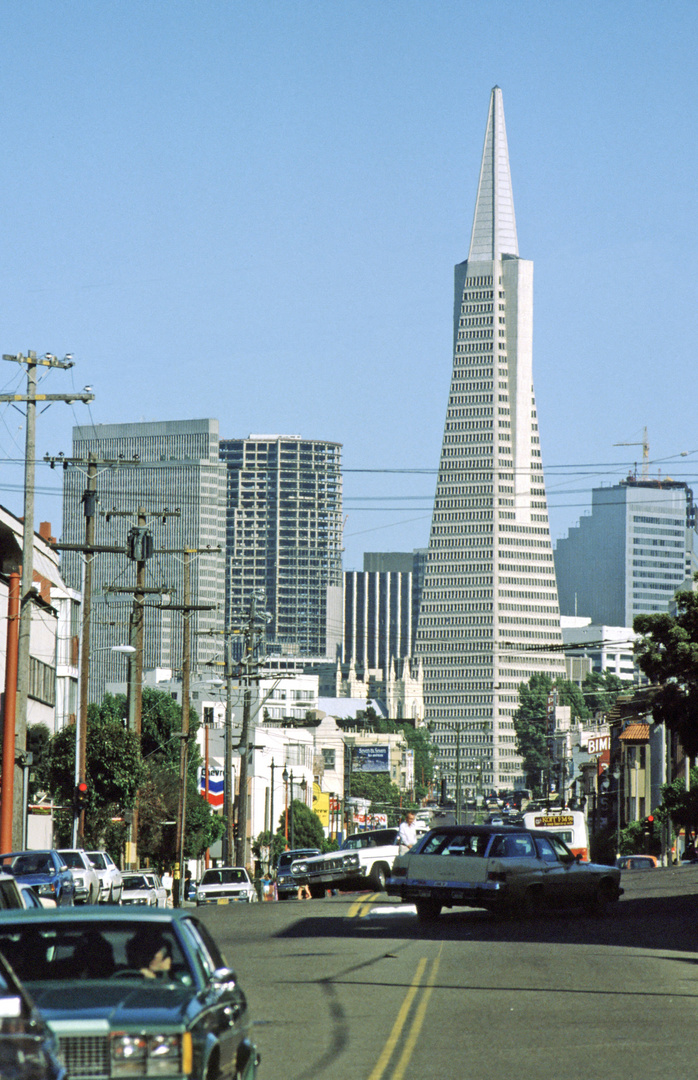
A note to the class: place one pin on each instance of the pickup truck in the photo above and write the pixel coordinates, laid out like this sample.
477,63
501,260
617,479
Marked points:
364,861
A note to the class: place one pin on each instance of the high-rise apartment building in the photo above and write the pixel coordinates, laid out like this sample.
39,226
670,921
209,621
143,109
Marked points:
630,555
284,538
163,467
489,615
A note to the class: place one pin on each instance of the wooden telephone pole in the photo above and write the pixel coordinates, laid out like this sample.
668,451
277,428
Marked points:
31,397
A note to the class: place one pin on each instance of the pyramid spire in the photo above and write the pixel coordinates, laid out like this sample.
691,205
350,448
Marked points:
494,226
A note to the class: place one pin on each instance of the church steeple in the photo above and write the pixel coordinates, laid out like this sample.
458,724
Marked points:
494,226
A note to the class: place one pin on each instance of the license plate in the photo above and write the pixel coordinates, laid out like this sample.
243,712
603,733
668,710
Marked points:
222,900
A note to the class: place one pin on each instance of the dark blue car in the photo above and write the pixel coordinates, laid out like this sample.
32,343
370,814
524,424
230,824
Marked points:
45,871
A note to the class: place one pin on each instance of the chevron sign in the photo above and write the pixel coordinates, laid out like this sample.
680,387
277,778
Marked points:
215,786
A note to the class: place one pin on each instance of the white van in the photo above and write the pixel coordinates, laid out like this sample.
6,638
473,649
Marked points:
569,825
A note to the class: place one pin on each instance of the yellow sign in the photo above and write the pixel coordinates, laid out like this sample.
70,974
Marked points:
551,820
321,806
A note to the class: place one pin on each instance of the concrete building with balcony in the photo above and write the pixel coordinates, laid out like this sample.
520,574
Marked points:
284,537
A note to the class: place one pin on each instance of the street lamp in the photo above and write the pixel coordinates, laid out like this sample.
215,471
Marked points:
616,776
284,777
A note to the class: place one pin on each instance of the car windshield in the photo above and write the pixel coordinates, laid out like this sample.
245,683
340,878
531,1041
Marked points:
135,881
30,862
72,859
224,877
288,857
372,839
97,860
89,950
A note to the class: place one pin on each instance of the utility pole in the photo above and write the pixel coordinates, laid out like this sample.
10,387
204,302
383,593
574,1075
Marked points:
186,608
228,843
89,549
249,676
139,549
184,734
26,589
89,501
228,839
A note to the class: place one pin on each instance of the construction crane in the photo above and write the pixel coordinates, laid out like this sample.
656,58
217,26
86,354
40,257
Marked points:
645,453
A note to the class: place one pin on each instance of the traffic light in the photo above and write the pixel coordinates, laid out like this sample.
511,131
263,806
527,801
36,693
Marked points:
81,793
649,822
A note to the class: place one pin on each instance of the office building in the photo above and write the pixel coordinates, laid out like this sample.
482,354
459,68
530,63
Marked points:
604,648
489,615
284,540
171,471
631,554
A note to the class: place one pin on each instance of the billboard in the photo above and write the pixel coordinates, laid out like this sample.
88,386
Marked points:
371,759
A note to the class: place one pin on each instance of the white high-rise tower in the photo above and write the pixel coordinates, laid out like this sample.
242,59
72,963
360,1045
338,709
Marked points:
489,613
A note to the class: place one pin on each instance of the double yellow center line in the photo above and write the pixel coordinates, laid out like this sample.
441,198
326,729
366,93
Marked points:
409,1018
415,1018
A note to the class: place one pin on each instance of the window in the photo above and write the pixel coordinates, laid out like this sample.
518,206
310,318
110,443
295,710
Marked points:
329,757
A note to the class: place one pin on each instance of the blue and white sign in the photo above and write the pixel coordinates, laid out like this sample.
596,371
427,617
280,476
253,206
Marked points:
371,759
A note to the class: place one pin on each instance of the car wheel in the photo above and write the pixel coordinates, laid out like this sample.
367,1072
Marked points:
378,877
428,909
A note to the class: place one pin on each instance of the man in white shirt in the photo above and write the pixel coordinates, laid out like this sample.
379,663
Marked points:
408,833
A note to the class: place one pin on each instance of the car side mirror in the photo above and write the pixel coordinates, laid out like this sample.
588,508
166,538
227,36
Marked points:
578,857
224,976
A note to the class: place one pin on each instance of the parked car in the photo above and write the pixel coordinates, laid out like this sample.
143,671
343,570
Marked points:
636,862
505,869
28,1047
133,992
11,892
362,862
226,885
84,875
45,870
160,890
31,898
286,885
138,890
110,882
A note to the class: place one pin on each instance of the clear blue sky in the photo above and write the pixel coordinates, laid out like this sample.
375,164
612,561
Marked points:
251,211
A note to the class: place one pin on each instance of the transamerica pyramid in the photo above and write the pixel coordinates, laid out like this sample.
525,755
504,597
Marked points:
489,613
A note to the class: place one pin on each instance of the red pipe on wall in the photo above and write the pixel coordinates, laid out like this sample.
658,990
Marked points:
8,737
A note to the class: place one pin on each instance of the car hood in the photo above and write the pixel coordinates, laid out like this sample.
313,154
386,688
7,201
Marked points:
37,879
118,1003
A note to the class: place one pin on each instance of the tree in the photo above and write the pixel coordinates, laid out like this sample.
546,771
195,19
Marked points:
425,752
117,767
667,652
307,827
114,771
681,806
531,721
600,690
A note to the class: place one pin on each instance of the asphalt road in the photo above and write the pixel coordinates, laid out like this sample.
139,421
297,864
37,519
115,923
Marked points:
353,987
